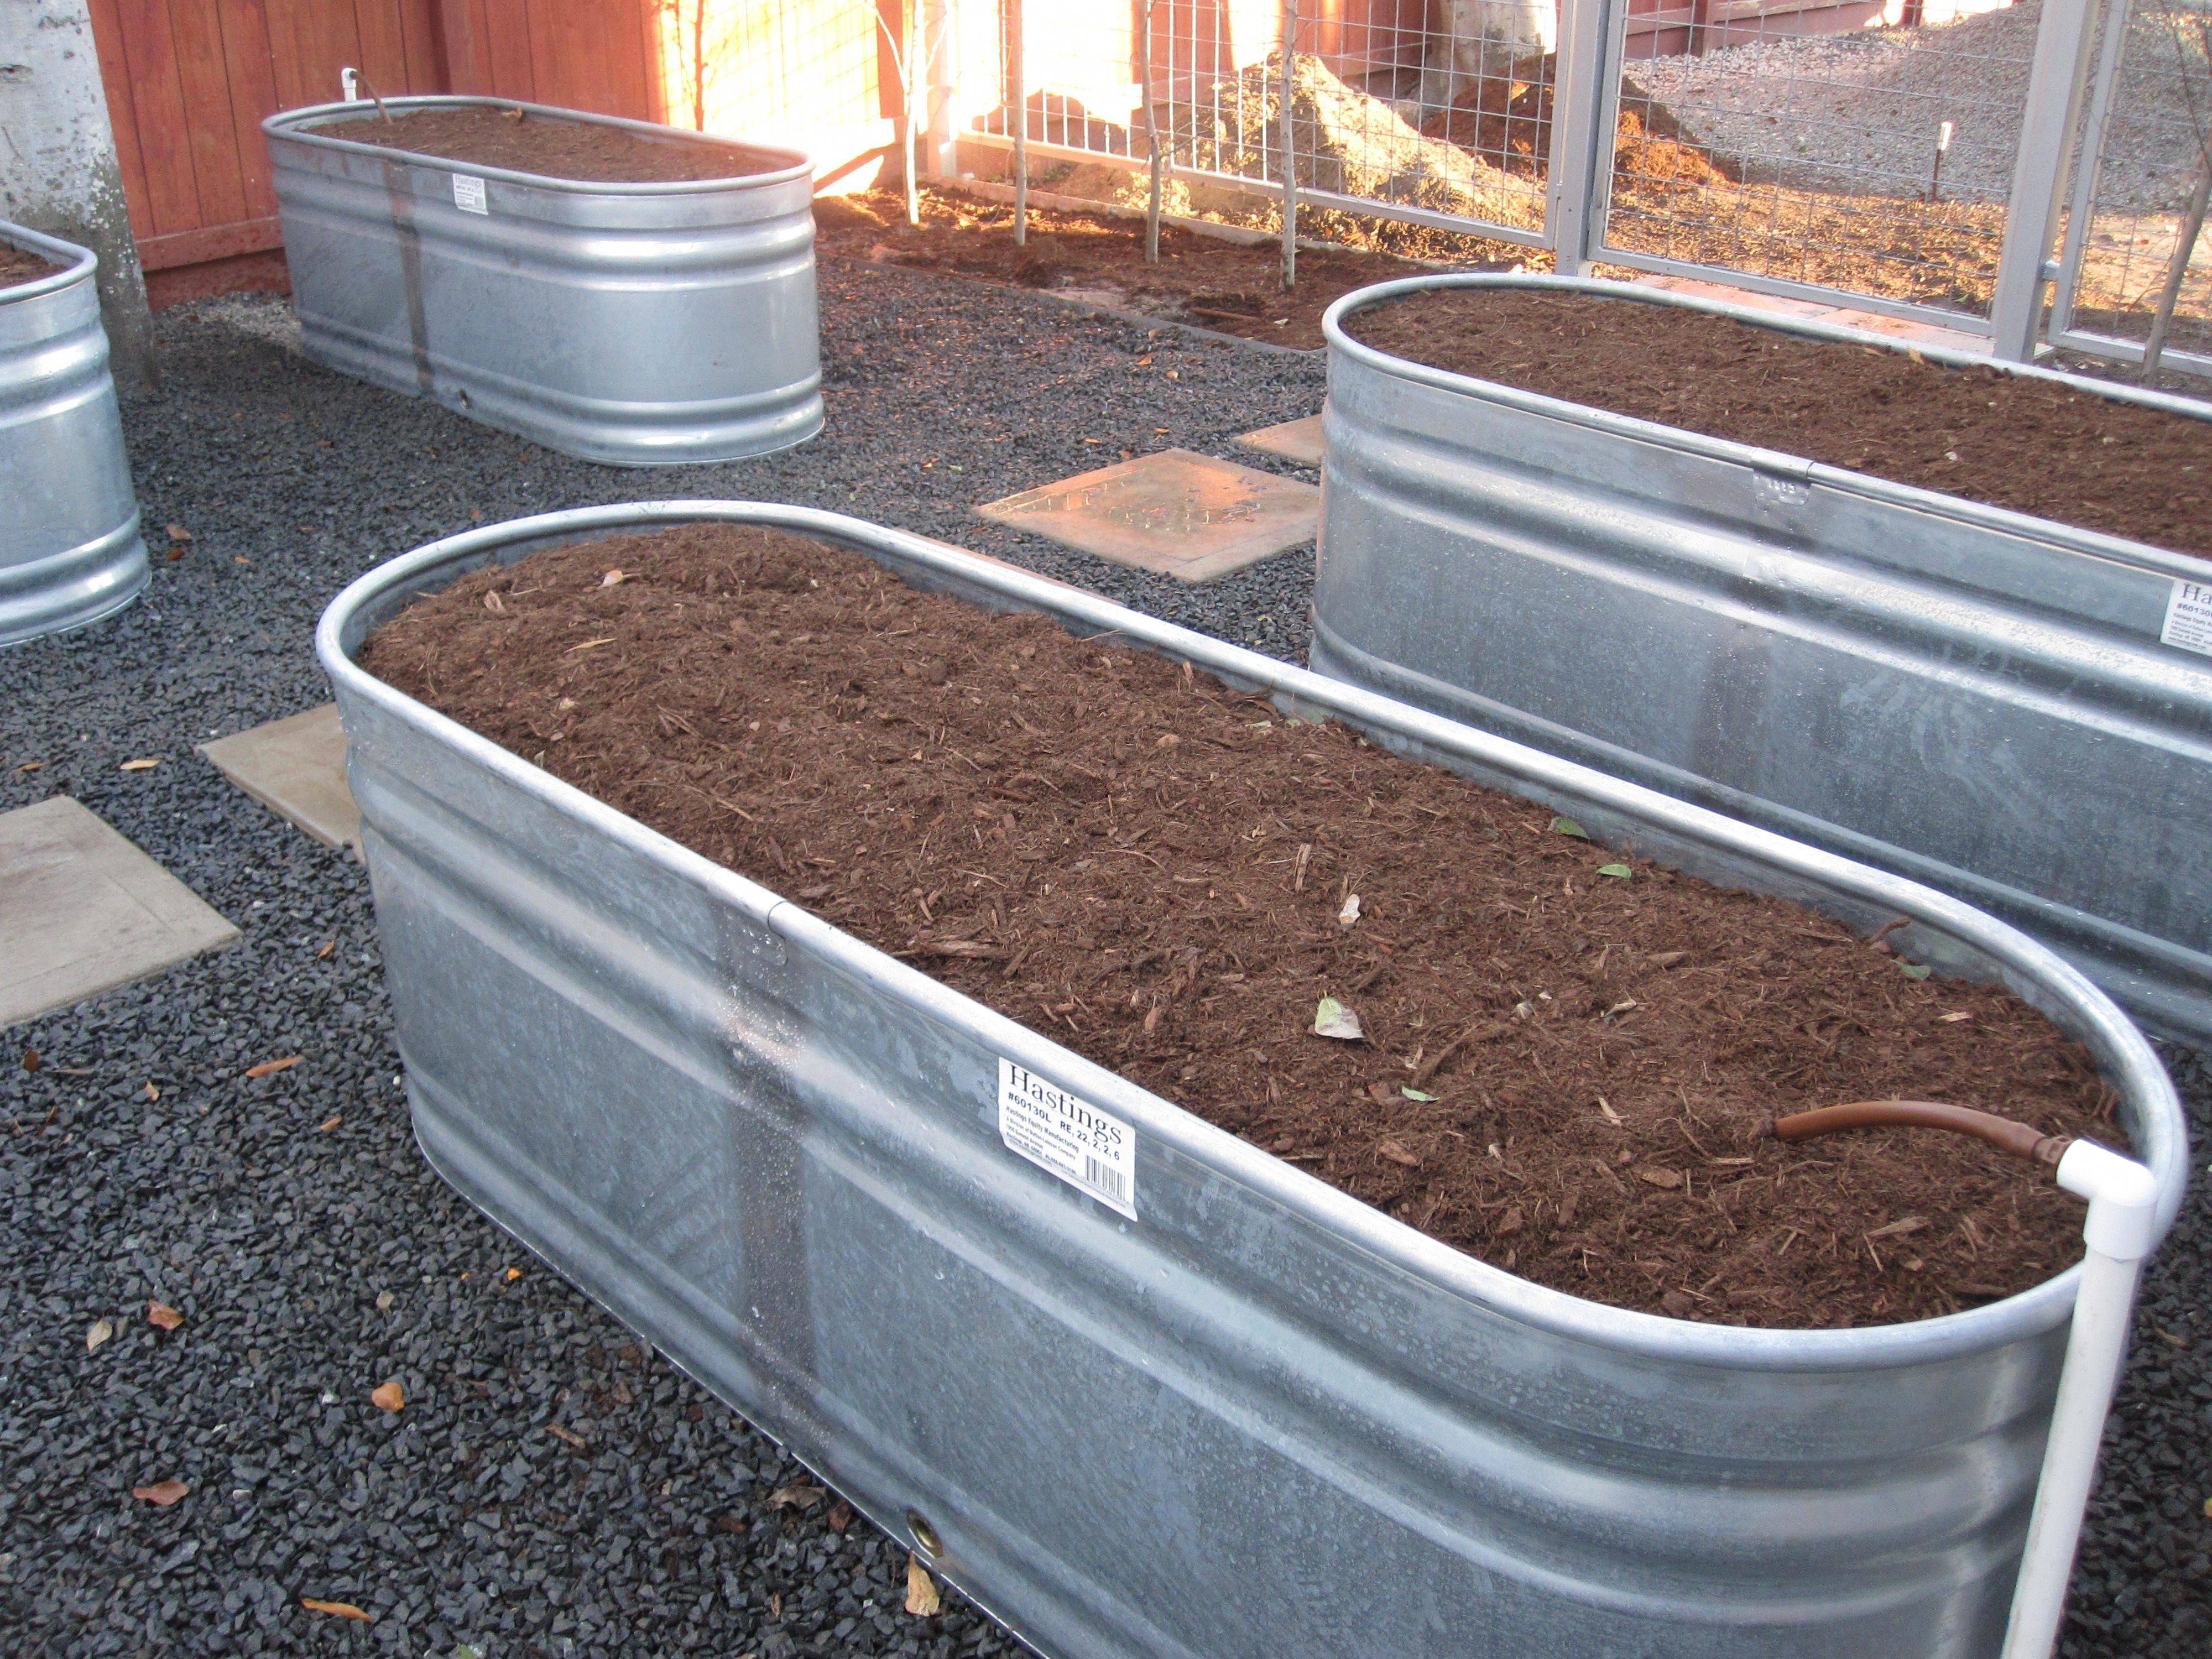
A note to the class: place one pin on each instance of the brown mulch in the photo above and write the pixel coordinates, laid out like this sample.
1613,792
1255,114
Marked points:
1990,437
18,265
1203,280
1943,254
582,151
1153,869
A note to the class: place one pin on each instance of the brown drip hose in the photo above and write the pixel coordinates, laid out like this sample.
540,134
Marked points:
2018,1138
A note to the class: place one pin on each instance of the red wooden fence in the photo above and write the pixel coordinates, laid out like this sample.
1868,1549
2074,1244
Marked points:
189,82
598,55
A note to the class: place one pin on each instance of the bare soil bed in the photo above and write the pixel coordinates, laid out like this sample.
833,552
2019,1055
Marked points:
582,151
1230,287
18,266
1564,1071
1976,433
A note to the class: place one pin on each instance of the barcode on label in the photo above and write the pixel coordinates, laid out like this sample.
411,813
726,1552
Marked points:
469,194
1086,1146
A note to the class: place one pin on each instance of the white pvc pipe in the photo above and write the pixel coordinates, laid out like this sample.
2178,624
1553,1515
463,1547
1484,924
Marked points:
2119,1230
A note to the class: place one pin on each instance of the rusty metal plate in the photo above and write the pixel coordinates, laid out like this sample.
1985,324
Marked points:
1183,515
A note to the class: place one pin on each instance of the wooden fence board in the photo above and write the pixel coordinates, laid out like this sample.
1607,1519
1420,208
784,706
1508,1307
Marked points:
424,46
158,102
461,32
210,138
507,62
383,47
251,69
122,114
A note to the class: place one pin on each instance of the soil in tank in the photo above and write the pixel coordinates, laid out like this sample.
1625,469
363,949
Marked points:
2031,445
588,152
1568,1054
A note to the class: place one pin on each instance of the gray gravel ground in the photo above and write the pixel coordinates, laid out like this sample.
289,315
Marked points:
290,1219
465,1519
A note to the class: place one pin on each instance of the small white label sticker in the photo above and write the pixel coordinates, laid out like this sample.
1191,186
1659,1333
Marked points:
1059,1132
2188,617
469,193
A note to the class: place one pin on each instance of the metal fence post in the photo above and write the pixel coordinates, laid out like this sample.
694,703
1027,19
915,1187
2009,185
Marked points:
1290,146
940,29
1152,157
1576,212
2038,181
2083,209
1018,78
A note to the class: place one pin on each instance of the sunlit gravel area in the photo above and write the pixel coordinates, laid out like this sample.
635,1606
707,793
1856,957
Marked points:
1860,112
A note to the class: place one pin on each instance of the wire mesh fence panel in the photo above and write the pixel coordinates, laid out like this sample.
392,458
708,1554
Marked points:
2147,148
1860,146
1445,113
815,74
1435,110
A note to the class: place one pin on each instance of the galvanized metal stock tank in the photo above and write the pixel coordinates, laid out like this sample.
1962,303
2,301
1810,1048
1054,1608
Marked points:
1261,1419
70,552
1975,698
638,324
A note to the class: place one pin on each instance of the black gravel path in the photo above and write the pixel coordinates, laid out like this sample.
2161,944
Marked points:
550,1488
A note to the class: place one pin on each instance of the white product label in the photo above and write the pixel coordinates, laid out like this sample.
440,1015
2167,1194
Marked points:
1057,1131
2188,617
469,194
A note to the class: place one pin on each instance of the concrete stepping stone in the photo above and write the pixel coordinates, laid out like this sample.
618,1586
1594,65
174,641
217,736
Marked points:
82,911
1176,512
296,767
1290,440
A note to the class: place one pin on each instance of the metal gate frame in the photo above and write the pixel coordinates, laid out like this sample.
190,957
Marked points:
2082,213
1577,189
2039,172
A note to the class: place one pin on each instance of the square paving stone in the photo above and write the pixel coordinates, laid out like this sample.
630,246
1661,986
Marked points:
296,768
1292,440
82,910
1178,512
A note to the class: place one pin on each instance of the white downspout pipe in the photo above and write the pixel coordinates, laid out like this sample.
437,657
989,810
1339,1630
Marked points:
2119,1230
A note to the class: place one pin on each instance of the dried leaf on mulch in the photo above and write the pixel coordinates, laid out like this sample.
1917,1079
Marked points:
1333,1019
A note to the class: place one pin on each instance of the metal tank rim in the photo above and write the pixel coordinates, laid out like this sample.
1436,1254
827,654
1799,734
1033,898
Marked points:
83,263
1779,462
299,123
2131,1065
